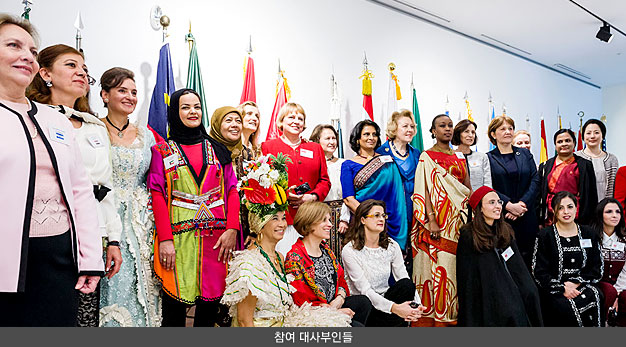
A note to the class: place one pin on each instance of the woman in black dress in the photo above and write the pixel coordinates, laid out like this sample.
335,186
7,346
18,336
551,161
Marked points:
494,285
567,265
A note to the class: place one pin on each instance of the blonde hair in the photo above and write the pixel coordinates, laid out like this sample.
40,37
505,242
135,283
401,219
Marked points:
309,214
287,109
392,124
6,19
520,132
496,123
254,138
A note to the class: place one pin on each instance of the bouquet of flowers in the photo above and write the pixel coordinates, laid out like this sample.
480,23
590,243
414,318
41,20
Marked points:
265,184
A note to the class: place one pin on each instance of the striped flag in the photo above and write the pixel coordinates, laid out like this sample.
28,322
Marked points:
418,139
164,87
543,154
194,78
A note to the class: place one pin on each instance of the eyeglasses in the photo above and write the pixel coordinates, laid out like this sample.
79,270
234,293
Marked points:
495,202
377,216
91,80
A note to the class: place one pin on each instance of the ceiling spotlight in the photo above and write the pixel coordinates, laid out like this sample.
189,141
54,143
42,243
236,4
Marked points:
604,33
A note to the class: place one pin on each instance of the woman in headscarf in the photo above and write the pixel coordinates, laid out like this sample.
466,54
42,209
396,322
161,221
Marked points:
196,207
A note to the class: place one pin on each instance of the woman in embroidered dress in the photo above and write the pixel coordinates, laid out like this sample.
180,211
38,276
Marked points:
442,189
567,266
327,137
318,274
570,172
196,206
63,82
258,288
371,258
605,164
51,245
131,298
609,224
370,175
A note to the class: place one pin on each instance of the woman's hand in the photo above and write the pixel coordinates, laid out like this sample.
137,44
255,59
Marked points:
405,311
615,303
347,311
114,255
343,227
249,240
518,209
337,302
309,198
435,230
167,254
87,284
571,290
226,242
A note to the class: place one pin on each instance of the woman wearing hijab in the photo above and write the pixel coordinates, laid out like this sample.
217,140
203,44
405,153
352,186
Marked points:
196,207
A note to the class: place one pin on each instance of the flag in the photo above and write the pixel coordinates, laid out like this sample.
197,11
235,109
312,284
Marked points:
164,87
491,115
418,139
249,85
543,154
26,13
367,92
335,113
447,107
467,105
580,132
393,95
194,78
282,96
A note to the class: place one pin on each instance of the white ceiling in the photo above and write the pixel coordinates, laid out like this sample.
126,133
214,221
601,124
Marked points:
550,31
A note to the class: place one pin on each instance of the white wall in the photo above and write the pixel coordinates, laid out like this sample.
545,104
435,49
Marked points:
614,107
313,38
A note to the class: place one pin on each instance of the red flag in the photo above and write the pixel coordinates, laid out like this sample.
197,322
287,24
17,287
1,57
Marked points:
249,85
580,140
281,99
367,105
543,154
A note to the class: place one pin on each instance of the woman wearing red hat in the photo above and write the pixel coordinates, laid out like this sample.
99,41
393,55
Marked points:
494,285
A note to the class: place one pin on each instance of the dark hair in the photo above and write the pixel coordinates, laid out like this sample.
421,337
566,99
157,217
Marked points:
597,122
355,135
432,126
356,230
597,223
461,127
114,77
40,92
484,240
556,200
563,131
317,132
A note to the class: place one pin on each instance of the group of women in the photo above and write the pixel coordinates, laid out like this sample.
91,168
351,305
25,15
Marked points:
111,225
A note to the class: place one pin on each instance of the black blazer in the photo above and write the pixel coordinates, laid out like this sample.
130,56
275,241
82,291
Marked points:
525,188
587,191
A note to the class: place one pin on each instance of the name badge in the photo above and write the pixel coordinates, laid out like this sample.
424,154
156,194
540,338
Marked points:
170,161
95,141
585,243
58,135
506,255
460,155
618,246
386,158
306,153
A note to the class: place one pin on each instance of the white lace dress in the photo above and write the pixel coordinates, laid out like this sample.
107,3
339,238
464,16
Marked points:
250,273
131,297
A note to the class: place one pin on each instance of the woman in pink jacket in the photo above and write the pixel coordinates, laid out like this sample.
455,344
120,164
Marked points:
51,247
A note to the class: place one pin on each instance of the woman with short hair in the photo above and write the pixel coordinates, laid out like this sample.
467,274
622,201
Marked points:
605,164
521,139
478,167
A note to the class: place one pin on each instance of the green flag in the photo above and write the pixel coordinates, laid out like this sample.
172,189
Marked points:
418,139
194,79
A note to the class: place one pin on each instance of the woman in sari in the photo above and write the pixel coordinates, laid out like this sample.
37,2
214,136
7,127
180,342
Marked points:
442,190
569,172
370,175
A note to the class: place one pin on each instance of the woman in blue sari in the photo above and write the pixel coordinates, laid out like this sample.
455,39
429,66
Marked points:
370,175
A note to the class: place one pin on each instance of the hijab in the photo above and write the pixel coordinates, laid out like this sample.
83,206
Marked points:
181,134
235,147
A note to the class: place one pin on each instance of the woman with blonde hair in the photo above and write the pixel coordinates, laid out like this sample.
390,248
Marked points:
521,139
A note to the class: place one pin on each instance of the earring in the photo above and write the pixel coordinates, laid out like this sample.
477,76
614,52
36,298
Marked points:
48,84
106,100
259,236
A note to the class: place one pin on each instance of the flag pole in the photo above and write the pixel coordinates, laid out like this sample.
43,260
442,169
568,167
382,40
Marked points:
189,38
26,13
165,22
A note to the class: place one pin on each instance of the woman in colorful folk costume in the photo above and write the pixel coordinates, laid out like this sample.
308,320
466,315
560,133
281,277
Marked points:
569,172
308,173
327,137
131,298
442,189
370,175
495,286
567,266
196,207
609,224
258,288
51,245
63,83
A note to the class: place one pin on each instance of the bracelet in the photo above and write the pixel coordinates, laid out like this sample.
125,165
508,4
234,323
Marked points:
113,243
342,294
432,213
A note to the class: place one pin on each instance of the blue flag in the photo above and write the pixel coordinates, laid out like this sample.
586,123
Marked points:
493,115
164,87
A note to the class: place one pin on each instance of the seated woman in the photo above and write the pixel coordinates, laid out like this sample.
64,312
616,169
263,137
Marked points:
567,265
318,275
257,285
370,256
494,285
609,223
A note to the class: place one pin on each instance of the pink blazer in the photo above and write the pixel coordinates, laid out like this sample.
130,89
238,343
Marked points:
17,178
